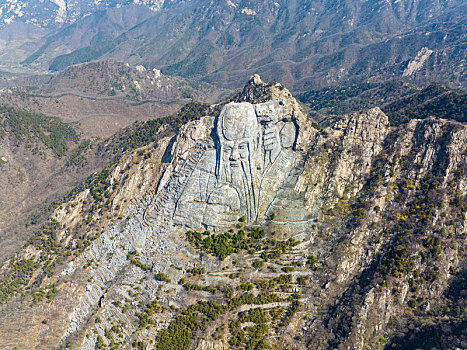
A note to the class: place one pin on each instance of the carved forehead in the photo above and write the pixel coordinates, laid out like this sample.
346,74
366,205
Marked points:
237,121
239,142
270,108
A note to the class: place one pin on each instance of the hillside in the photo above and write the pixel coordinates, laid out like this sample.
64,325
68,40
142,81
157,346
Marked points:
34,151
106,96
306,45
434,100
400,100
246,225
43,158
32,33
96,28
115,79
54,13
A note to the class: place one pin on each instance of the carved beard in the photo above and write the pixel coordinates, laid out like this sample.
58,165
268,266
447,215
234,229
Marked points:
241,178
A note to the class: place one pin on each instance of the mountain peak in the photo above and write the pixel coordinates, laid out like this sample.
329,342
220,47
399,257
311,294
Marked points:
256,218
256,79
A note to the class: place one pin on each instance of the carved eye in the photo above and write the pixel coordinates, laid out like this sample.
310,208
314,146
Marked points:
228,149
242,146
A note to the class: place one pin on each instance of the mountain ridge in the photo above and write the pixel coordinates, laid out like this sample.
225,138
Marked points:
363,244
326,55
224,42
54,13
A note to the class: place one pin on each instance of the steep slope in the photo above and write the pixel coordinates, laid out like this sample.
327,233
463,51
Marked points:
96,28
306,45
350,237
33,33
18,41
34,150
434,100
404,229
43,158
400,100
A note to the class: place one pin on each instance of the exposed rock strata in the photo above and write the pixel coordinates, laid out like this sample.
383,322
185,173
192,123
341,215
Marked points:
378,214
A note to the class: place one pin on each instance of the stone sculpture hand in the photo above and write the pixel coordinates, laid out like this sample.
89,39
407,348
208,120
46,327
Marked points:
272,144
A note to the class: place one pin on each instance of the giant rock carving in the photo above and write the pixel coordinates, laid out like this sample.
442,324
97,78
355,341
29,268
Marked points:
240,174
235,173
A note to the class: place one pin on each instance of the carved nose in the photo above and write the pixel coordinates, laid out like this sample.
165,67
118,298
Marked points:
234,154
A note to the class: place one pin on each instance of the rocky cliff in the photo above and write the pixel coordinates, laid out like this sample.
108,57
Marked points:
252,227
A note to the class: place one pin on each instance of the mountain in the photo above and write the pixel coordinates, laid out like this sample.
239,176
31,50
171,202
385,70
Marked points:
34,150
55,13
398,99
22,42
28,28
134,216
306,44
104,96
244,224
43,158
96,28
51,126
18,41
116,79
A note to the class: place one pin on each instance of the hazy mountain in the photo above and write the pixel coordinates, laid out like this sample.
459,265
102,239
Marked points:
305,44
55,13
35,46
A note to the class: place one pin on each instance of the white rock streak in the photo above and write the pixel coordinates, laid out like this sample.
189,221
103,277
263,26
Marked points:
248,12
61,13
417,63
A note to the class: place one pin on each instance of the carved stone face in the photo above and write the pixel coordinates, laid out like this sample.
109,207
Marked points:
239,136
239,152
243,174
235,152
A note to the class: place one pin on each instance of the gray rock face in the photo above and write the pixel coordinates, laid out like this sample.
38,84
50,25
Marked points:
240,176
376,215
222,170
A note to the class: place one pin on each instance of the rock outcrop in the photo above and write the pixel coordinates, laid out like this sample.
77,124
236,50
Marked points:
252,225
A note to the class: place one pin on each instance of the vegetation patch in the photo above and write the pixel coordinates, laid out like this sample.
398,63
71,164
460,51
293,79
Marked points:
144,133
183,328
228,243
28,128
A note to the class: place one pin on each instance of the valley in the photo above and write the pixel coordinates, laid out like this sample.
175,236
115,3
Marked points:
233,174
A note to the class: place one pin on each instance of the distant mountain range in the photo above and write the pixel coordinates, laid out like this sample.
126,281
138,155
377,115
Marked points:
304,44
54,13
